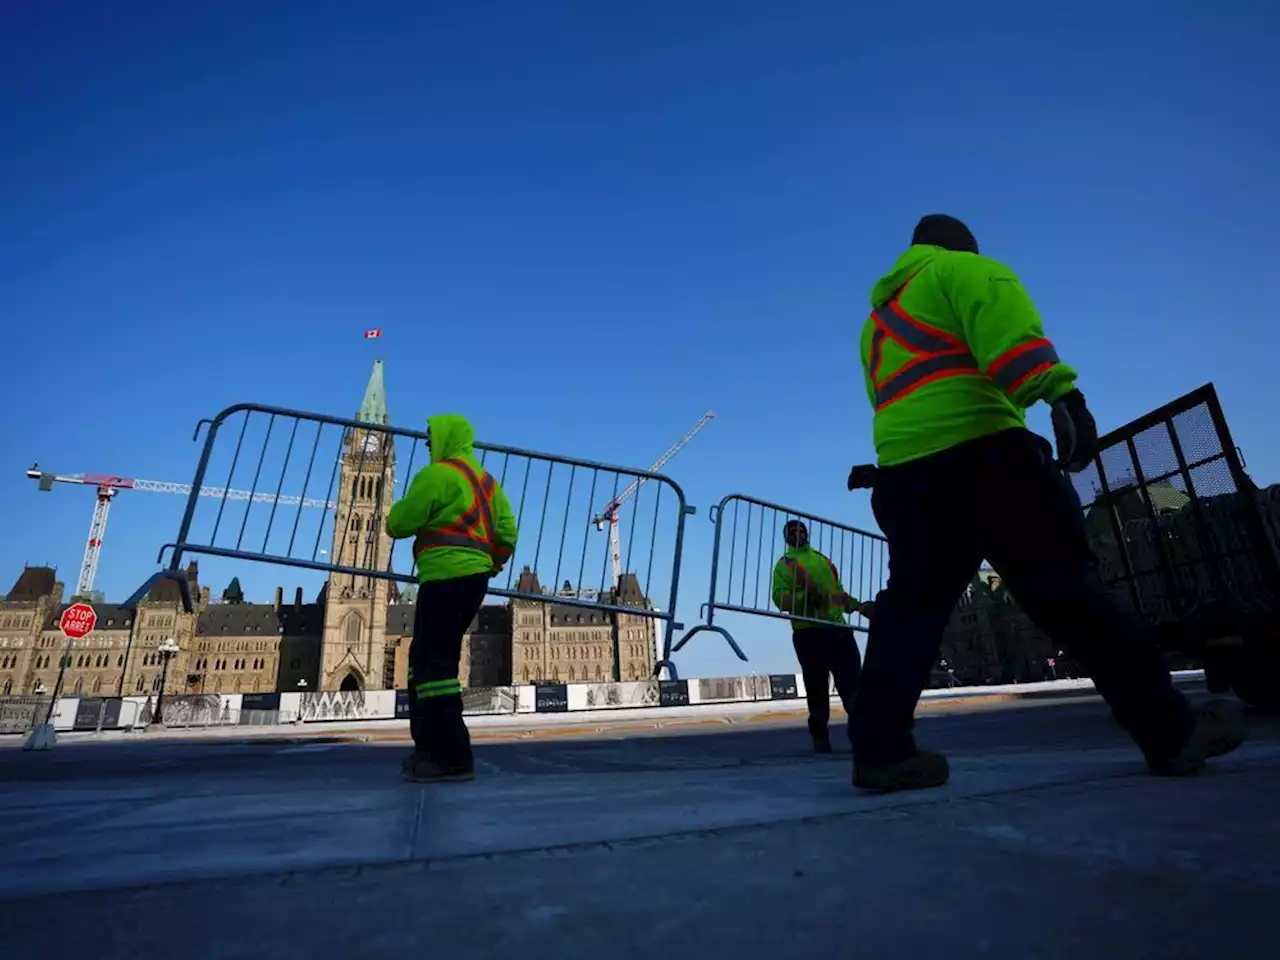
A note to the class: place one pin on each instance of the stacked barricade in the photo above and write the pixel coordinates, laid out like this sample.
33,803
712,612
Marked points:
747,545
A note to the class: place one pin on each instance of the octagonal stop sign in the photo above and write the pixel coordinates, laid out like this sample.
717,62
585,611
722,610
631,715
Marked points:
78,621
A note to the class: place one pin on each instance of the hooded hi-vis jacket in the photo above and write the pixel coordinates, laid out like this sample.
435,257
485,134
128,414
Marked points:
807,584
953,350
456,512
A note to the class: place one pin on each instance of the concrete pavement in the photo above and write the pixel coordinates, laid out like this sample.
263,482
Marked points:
1050,841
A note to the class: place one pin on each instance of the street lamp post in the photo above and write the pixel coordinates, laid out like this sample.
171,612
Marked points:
167,651
302,688
57,684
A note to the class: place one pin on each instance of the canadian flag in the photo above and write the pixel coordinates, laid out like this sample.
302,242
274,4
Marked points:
373,334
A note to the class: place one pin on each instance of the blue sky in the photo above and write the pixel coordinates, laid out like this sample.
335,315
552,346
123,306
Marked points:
585,224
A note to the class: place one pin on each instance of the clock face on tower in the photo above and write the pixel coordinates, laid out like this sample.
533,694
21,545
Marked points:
371,445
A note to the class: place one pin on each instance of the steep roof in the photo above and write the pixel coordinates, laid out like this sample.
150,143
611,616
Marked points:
32,584
528,581
373,409
260,619
168,591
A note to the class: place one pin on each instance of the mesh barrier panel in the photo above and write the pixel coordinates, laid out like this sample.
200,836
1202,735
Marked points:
1174,533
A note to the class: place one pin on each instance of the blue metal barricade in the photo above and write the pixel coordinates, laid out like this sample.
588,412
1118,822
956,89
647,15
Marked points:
312,491
748,543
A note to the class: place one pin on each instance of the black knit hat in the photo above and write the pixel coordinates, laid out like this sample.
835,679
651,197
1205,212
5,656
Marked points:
940,230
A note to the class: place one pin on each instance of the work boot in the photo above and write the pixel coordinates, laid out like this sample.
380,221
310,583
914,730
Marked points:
822,745
920,771
1220,728
418,768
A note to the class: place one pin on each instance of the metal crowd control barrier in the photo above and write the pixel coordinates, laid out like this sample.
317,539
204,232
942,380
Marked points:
742,568
1178,525
290,480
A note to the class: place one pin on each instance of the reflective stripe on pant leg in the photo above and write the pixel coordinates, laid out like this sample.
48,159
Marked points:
438,688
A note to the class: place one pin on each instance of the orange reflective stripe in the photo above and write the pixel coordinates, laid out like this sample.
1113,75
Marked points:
937,354
803,580
913,334
474,529
921,371
1016,366
801,574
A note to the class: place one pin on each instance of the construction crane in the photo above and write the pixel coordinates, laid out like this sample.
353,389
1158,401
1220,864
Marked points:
609,514
108,485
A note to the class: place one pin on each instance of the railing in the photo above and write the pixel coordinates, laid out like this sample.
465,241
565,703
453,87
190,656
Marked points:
314,491
747,545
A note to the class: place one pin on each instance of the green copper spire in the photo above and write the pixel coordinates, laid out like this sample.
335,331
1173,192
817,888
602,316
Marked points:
374,407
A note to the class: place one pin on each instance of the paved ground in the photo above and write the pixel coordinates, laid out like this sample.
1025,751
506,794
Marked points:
1049,842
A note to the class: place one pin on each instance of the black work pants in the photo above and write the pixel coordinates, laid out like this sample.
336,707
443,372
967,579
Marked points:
445,609
826,652
1001,498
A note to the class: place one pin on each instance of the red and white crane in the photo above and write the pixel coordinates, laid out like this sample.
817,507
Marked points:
609,514
108,485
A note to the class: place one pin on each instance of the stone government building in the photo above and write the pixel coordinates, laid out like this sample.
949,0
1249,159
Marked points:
354,636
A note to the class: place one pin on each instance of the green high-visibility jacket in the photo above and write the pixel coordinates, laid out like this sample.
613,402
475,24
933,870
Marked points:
440,496
958,355
807,584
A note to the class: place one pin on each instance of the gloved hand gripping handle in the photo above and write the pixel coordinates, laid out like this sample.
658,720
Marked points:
1075,431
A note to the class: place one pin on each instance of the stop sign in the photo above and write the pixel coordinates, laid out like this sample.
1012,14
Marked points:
78,620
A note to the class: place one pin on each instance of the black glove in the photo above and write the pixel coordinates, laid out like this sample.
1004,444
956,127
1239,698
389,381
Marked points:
862,477
1075,431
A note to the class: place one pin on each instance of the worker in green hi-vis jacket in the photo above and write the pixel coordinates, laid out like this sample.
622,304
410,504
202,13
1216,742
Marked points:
953,355
806,587
464,532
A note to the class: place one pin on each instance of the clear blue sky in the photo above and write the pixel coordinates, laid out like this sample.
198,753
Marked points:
584,224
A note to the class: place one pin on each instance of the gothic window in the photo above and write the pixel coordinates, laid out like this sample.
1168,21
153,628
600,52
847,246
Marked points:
80,685
8,686
355,521
571,675
524,674
599,672
379,490
141,681
352,630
